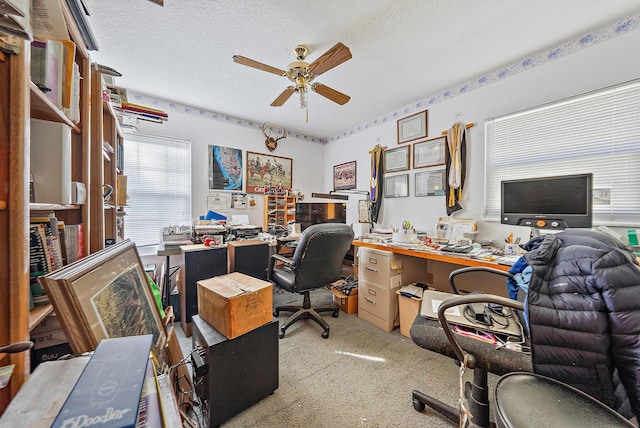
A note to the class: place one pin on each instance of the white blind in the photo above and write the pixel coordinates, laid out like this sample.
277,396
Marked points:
597,132
158,173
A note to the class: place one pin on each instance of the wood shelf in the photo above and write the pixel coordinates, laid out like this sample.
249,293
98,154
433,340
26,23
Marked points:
37,314
51,207
43,108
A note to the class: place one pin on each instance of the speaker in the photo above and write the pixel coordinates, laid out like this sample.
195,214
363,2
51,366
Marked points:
249,257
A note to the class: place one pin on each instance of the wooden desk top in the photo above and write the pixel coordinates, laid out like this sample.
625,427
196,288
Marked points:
432,255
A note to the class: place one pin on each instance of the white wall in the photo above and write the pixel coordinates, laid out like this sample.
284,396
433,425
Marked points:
308,157
602,65
609,62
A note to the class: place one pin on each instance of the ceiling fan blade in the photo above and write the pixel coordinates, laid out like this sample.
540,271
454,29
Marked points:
283,97
335,56
330,93
239,59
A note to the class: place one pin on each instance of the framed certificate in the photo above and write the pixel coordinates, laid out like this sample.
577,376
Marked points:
430,183
396,186
412,127
429,152
396,159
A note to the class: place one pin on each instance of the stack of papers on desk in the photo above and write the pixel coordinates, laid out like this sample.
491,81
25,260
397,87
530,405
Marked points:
412,291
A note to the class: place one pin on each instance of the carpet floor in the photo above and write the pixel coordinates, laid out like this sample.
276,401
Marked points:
361,376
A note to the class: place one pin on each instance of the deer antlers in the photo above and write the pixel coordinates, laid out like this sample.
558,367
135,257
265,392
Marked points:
270,142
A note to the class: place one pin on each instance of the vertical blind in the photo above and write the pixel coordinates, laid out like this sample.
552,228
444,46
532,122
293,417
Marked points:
158,173
597,132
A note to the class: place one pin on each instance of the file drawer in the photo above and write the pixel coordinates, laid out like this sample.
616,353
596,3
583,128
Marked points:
378,305
375,266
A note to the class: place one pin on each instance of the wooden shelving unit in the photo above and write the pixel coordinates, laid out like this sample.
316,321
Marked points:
107,136
21,100
279,210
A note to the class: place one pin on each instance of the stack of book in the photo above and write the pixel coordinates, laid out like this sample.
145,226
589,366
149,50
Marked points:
118,98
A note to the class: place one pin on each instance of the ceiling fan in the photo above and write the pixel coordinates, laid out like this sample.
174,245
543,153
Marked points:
302,74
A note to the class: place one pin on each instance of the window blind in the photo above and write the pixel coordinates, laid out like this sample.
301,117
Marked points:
597,132
158,173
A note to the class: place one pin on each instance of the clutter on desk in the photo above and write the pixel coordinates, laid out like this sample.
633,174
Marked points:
453,229
176,235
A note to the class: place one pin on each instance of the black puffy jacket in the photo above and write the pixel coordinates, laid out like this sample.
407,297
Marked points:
584,316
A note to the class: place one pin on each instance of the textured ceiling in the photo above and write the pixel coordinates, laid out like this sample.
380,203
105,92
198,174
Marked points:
403,50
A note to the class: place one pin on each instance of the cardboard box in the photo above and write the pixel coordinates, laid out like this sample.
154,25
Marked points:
348,304
409,307
235,304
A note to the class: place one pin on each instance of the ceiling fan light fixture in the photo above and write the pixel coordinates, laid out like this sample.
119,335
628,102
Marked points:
303,99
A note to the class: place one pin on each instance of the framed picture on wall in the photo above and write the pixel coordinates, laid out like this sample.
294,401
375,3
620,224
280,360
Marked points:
429,152
267,170
396,159
430,183
344,176
396,186
412,127
225,168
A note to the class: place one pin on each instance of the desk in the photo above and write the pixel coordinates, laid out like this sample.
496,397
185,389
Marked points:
439,265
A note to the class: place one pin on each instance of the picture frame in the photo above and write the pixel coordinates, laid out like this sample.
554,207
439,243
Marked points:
264,170
397,159
430,183
105,295
225,168
429,152
344,176
396,186
413,127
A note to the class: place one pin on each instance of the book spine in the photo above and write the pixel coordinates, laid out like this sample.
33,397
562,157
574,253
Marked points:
149,412
37,266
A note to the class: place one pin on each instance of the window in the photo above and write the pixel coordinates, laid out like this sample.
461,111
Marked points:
597,132
158,173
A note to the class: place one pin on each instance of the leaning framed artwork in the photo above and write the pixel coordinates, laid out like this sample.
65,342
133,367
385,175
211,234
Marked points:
225,168
344,176
396,159
429,152
412,127
267,170
105,295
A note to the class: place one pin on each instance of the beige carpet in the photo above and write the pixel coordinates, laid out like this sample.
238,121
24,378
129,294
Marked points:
360,376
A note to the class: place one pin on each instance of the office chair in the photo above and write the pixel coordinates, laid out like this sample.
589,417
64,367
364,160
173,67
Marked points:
316,262
521,397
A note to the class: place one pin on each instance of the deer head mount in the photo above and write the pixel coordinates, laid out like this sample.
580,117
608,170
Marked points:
271,142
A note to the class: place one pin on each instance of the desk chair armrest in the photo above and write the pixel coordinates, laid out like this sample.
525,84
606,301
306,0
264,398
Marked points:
472,269
463,300
272,262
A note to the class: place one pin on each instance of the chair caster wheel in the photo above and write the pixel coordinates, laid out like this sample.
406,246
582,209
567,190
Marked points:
281,335
335,314
276,314
325,334
418,405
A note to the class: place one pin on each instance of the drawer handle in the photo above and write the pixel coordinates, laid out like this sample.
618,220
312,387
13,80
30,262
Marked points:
370,301
372,292
369,269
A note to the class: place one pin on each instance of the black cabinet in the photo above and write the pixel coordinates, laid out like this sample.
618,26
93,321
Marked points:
249,257
197,262
233,374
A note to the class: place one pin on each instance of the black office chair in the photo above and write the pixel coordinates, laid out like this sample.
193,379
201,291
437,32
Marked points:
316,262
520,400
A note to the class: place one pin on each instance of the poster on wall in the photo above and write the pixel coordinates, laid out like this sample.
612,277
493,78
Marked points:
267,170
225,168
